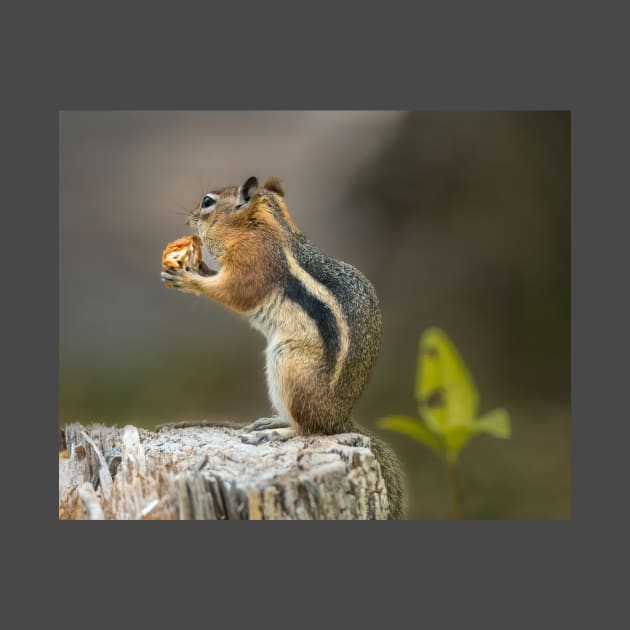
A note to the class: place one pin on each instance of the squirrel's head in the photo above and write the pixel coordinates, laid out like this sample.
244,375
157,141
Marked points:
232,217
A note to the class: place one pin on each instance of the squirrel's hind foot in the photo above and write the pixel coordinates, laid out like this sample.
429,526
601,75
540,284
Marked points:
268,435
262,424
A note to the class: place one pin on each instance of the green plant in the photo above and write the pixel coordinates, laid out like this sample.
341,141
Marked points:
448,403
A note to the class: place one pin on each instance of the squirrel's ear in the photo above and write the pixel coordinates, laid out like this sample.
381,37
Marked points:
275,185
247,190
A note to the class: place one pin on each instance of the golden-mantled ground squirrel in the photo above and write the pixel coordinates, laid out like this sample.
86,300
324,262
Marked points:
320,316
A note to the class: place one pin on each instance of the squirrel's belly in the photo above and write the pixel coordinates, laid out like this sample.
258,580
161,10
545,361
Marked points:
276,383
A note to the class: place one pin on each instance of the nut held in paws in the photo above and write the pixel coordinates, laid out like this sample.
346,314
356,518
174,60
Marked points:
183,252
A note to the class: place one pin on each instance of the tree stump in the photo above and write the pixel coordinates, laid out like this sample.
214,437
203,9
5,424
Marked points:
208,473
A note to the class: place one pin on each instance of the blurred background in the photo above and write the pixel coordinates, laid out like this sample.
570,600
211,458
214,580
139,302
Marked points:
460,219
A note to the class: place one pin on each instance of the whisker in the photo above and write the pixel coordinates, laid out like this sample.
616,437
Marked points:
172,201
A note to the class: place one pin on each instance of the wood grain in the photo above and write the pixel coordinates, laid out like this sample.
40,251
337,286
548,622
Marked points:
208,473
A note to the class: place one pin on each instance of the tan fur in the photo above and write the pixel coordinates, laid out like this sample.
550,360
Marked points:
246,256
322,327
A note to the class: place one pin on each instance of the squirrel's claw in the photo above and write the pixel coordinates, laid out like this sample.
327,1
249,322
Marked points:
171,276
181,279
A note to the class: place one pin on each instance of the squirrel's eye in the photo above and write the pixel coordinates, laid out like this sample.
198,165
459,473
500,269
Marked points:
208,202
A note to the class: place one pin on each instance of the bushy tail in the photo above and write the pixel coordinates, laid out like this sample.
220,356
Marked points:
392,474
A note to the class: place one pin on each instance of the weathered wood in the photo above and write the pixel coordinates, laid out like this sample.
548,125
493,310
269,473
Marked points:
208,473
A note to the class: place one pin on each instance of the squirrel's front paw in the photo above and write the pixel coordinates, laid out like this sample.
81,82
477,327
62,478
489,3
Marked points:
181,279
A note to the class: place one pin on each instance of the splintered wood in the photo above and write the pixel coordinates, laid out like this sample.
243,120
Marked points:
208,473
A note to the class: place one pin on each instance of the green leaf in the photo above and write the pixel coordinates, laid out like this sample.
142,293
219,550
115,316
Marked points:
445,391
496,423
455,438
413,428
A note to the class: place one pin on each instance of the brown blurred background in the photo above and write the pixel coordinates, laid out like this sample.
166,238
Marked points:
460,219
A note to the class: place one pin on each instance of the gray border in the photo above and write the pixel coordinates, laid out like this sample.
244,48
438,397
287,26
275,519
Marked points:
452,569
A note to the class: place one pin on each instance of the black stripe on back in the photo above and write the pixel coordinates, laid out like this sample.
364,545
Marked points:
319,313
277,213
340,280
